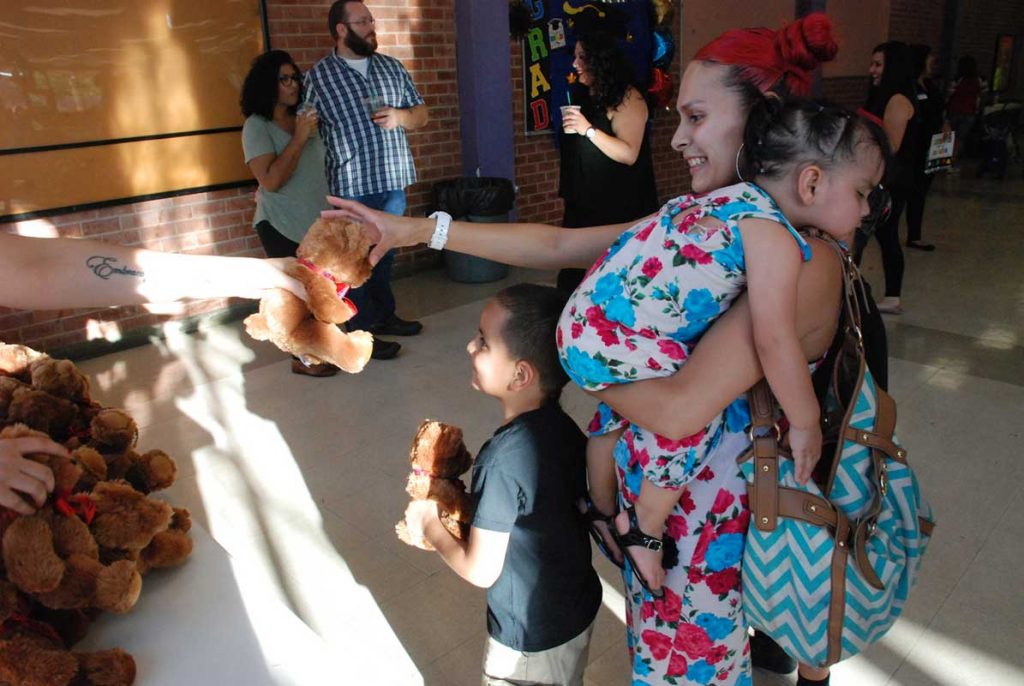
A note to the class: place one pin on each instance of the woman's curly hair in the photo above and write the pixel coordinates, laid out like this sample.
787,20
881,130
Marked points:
259,92
609,68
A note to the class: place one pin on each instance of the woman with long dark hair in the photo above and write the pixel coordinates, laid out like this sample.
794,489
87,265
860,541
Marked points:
287,158
891,99
607,176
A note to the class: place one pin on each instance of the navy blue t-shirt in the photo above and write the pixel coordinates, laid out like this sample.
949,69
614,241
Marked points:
526,481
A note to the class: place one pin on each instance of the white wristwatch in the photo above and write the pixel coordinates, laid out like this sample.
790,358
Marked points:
440,235
591,132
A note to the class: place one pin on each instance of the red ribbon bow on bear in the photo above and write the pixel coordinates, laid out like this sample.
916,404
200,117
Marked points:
340,287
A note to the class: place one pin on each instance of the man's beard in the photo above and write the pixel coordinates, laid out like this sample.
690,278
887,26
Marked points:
361,46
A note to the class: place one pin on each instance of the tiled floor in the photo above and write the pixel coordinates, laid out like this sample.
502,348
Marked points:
301,479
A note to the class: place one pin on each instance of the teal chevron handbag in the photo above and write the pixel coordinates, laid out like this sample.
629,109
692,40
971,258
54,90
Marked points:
828,566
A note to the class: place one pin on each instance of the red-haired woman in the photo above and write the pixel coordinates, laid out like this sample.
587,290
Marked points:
697,632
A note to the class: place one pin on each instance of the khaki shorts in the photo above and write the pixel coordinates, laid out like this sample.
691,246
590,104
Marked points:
559,666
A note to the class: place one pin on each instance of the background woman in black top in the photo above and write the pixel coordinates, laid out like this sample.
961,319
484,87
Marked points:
606,174
891,99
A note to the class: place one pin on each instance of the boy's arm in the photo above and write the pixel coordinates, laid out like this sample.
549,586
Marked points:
479,559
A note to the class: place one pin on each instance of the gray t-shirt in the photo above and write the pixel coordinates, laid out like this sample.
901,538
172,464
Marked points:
293,207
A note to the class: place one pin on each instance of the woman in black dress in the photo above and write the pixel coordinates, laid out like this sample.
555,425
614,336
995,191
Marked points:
607,176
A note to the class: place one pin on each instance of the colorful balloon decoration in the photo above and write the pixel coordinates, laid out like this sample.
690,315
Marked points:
662,10
664,47
661,88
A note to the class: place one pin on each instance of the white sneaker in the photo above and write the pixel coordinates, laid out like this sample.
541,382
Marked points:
890,305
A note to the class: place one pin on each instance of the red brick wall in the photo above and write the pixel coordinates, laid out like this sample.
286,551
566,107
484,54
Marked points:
918,21
421,33
848,91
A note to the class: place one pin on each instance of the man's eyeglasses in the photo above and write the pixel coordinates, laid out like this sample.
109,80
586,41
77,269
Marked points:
361,22
286,79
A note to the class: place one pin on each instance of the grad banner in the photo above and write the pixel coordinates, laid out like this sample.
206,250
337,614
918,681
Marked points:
551,39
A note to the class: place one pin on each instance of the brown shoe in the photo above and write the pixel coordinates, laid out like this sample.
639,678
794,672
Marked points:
323,369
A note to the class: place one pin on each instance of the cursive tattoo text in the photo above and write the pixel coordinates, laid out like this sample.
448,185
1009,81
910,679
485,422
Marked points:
106,267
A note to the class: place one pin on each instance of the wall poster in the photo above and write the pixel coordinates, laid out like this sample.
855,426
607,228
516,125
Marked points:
549,43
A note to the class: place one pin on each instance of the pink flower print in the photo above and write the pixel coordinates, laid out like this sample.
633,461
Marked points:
676,665
673,349
716,654
705,474
707,535
652,267
676,527
736,525
648,333
559,337
722,501
645,233
669,607
684,442
724,581
693,575
630,345
692,640
659,643
647,610
686,501
653,364
576,330
605,329
721,200
692,252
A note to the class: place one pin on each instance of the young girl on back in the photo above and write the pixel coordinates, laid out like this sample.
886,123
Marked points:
647,301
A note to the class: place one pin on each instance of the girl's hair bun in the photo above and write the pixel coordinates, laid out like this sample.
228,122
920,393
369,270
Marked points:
808,41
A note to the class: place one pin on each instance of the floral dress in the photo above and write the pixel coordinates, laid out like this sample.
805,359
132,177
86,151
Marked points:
647,301
696,633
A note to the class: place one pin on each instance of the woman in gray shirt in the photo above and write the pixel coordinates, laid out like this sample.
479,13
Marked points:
287,158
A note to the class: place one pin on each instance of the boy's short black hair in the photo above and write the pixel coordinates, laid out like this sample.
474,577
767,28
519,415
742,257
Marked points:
529,333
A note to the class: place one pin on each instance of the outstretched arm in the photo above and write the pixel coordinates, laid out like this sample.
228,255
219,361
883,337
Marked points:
724,364
525,245
49,273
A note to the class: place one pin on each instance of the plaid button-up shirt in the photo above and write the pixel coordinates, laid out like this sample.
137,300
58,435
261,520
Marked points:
362,158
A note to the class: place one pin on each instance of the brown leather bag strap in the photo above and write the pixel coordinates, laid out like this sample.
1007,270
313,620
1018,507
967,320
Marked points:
764,502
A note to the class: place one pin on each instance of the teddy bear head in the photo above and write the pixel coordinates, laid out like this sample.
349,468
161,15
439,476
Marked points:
439,451
332,259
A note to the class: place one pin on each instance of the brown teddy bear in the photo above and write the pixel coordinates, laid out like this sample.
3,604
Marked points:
54,556
439,457
34,653
332,258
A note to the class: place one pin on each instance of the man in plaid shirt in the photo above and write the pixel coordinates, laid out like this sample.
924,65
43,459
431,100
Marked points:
366,101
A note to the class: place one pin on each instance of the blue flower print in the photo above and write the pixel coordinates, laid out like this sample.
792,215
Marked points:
607,420
736,208
624,238
701,672
700,305
724,552
737,416
640,666
608,287
584,370
731,256
620,310
608,292
745,680
716,627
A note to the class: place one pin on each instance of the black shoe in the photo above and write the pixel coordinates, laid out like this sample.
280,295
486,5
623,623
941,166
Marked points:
395,326
323,369
920,245
769,655
384,350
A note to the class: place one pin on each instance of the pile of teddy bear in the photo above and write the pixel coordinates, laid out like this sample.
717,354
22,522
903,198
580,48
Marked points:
86,550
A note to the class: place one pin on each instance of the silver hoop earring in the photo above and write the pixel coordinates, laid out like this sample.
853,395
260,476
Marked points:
739,152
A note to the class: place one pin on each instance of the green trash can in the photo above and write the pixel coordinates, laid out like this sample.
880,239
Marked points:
480,200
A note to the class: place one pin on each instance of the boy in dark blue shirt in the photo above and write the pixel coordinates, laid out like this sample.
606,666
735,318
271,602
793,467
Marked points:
528,544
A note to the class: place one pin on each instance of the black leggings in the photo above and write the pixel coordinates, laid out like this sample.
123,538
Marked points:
888,236
915,208
275,244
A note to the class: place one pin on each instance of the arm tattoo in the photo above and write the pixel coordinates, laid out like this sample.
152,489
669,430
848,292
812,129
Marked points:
105,267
